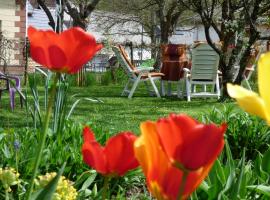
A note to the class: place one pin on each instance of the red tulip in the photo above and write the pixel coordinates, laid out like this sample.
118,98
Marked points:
163,179
188,144
116,158
65,52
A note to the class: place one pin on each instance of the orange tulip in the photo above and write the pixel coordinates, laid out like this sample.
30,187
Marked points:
115,159
163,179
188,144
66,52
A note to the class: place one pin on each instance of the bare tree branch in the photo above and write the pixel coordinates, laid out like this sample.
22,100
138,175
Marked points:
48,13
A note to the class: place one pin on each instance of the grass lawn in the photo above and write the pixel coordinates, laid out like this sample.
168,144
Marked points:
115,113
247,137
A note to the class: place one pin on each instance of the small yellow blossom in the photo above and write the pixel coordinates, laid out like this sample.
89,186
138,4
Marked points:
64,190
9,176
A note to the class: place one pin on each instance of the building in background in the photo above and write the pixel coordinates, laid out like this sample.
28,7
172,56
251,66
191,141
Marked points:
12,35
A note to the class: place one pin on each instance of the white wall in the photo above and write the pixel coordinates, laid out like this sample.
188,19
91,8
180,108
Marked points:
8,19
187,35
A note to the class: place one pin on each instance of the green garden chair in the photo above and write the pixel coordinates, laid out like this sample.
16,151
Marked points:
204,72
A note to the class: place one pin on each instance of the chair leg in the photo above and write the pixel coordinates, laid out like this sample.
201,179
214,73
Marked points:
188,88
204,87
162,88
154,86
12,99
218,87
134,87
246,82
193,88
179,88
125,88
169,92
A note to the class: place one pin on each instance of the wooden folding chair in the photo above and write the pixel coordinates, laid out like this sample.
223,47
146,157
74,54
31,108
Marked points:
135,74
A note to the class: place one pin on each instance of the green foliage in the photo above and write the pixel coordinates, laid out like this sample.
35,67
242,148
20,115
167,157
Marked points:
244,131
238,174
106,78
120,76
236,179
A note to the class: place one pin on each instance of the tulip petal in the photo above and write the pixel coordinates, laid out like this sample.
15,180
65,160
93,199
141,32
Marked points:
84,49
202,146
195,178
249,101
64,52
94,157
38,55
171,132
88,135
120,153
163,180
93,153
264,80
57,57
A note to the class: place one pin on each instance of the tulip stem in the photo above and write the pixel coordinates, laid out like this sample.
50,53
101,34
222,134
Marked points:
182,185
105,187
43,135
6,195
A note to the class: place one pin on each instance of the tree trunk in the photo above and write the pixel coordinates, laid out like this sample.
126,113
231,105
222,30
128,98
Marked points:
81,74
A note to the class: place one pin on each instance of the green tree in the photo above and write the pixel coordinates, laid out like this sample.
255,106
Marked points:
231,19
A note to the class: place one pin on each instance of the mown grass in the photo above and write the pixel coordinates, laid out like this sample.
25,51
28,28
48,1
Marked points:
114,113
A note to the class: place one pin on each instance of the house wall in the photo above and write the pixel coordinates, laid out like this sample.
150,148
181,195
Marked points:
12,17
187,35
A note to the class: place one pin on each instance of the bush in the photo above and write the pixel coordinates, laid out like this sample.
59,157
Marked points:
244,131
106,78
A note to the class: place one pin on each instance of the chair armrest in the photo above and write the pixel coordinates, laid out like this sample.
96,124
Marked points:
186,70
143,69
249,69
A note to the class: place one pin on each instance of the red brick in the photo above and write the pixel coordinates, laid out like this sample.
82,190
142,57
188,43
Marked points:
20,12
19,35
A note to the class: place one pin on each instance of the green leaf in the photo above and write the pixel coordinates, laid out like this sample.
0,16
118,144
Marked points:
89,181
266,161
263,189
204,186
236,189
231,177
220,172
48,192
6,151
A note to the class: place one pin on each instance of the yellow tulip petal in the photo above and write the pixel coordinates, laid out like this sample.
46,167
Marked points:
139,150
249,101
264,79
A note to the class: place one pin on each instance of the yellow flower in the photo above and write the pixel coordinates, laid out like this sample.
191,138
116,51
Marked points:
64,190
257,104
9,177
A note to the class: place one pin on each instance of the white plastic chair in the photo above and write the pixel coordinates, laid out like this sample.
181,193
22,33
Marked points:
204,71
135,74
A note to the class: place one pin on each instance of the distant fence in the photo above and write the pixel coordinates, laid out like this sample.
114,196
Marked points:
97,67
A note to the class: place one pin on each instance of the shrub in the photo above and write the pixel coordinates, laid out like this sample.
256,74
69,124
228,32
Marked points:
244,131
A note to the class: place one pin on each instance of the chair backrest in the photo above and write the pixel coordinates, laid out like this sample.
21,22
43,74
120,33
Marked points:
205,63
252,62
173,52
124,61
